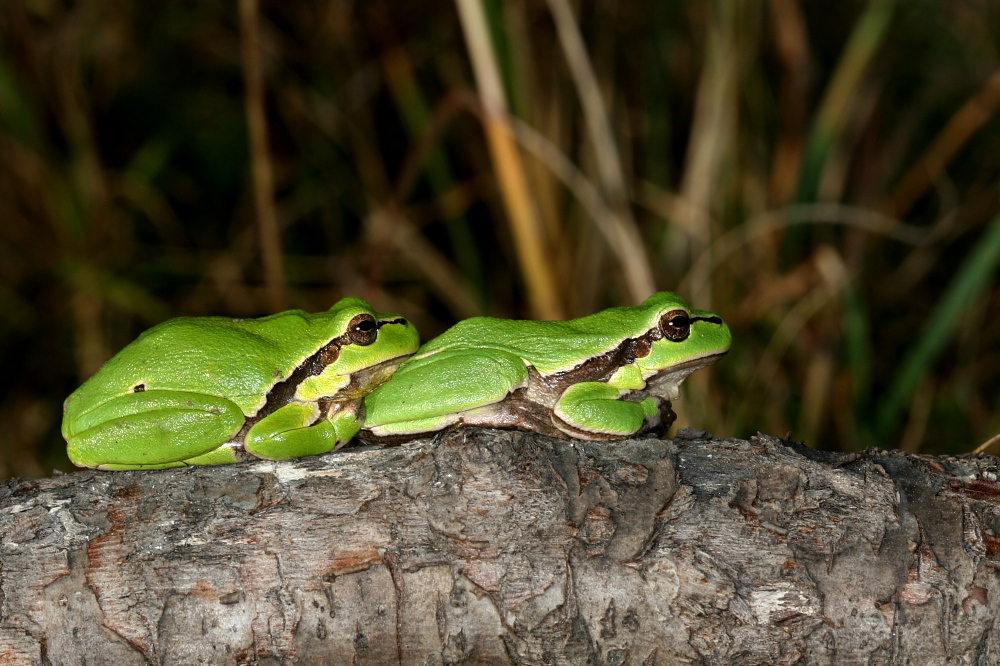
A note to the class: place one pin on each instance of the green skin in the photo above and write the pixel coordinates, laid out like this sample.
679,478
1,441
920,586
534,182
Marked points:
210,390
606,376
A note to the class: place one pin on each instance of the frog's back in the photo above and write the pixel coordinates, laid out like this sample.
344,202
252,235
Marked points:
549,346
231,358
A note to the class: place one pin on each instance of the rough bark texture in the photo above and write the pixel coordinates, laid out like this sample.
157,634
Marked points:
501,547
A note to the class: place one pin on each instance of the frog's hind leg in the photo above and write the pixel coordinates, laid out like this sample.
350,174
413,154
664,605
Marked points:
220,456
465,379
154,429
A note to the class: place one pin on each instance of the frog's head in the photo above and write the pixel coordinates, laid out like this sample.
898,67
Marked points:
365,347
681,339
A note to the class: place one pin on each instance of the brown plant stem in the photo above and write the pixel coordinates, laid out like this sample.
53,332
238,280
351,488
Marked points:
966,122
536,261
260,160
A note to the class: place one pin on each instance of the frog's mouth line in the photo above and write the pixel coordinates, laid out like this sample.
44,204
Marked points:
393,360
402,320
693,363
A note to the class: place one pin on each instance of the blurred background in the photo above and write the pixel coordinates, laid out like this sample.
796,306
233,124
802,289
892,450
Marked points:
823,175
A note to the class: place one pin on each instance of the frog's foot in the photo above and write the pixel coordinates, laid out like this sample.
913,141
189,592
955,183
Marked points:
303,429
595,410
658,422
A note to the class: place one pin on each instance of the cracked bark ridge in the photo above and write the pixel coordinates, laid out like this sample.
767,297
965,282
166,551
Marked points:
485,546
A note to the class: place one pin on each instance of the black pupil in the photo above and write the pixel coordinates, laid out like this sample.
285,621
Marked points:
365,325
680,321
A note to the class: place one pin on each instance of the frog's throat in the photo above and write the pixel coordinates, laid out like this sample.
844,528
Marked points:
367,379
666,383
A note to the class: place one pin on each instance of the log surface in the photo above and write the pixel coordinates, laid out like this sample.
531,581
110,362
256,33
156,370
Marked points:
493,547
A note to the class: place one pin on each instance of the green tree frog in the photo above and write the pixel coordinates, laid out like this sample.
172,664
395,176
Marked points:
610,375
210,390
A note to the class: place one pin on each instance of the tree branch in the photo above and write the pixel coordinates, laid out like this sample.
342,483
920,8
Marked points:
486,546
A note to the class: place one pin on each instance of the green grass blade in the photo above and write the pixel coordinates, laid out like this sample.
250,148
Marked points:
858,349
841,93
16,110
963,290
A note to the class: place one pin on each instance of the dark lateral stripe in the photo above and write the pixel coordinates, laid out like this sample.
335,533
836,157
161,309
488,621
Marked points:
283,392
628,350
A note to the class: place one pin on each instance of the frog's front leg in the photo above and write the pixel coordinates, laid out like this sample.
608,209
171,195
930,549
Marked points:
292,431
154,429
595,410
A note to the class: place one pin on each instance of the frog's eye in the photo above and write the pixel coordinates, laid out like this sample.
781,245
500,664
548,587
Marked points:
676,325
363,329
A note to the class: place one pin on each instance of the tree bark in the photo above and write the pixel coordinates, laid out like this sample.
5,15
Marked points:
493,547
